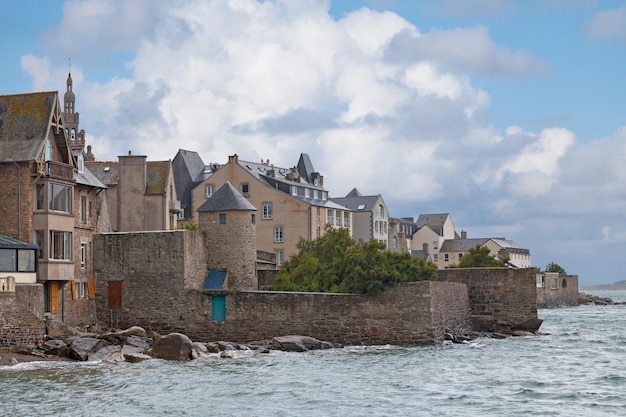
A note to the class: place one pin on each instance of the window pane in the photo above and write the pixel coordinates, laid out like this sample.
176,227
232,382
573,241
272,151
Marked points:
60,198
26,260
7,260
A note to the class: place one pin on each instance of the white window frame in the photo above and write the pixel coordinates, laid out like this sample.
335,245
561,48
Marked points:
278,234
83,255
267,210
279,257
65,240
209,190
244,187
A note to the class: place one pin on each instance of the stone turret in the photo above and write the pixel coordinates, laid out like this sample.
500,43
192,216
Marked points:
75,137
228,222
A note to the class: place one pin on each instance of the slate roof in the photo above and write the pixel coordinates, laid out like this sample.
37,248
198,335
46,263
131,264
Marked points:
156,174
357,204
188,169
462,245
24,124
88,178
432,220
8,242
225,199
106,172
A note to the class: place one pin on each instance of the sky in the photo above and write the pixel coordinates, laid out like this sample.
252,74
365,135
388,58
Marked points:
507,114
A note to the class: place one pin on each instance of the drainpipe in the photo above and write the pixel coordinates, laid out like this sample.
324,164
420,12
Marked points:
19,200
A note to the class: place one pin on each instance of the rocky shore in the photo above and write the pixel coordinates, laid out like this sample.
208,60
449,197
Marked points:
588,299
135,344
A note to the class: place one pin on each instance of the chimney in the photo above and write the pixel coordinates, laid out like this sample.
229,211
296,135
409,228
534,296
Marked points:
463,234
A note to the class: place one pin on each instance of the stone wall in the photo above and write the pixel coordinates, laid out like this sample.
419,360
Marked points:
409,313
557,291
501,298
16,193
154,269
18,324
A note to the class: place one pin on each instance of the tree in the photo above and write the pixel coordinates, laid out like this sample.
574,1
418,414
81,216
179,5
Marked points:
554,267
335,263
480,257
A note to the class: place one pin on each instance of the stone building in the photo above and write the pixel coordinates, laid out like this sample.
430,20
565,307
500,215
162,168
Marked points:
229,222
141,194
50,199
554,290
292,202
370,216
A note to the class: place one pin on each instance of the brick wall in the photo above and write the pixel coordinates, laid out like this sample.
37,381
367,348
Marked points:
497,295
18,324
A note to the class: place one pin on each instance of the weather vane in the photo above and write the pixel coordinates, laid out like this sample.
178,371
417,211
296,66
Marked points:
69,64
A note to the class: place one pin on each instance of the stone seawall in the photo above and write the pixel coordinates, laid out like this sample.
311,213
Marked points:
409,313
500,298
18,323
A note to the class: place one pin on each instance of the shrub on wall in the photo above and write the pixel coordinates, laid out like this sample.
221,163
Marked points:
335,263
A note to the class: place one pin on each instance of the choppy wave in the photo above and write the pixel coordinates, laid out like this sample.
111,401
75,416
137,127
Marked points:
577,370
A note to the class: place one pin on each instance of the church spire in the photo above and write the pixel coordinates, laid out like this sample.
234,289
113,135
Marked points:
75,137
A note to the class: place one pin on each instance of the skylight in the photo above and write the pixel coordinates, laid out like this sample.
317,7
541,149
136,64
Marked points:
361,207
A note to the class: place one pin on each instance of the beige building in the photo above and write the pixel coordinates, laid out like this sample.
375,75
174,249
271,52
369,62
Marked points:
291,202
370,216
436,240
141,194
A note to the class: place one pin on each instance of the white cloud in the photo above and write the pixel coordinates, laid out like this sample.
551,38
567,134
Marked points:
376,103
608,24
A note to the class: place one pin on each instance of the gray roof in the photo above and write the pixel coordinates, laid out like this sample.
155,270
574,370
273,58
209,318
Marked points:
24,124
88,178
354,193
226,198
106,172
357,204
432,220
462,245
8,242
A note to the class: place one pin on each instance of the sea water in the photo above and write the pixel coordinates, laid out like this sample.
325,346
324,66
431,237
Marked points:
579,369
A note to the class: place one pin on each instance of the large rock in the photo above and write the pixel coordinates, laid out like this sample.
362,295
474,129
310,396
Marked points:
136,357
294,343
59,330
174,346
199,350
81,347
110,353
530,325
55,347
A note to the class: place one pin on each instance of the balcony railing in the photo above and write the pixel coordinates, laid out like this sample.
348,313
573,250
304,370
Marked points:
175,206
59,170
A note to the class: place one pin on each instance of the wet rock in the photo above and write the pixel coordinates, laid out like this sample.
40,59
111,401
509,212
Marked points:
212,347
174,346
199,350
81,347
530,325
136,357
58,330
295,343
55,347
110,353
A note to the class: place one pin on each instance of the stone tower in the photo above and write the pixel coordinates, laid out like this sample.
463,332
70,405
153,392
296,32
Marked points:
75,137
227,220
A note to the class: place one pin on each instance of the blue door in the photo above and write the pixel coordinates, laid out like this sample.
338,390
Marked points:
219,307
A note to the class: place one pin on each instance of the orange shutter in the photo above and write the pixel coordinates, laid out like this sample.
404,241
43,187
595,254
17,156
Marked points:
73,290
91,289
54,297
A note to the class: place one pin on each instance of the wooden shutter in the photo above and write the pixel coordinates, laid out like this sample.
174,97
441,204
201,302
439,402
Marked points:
73,289
54,297
91,290
115,294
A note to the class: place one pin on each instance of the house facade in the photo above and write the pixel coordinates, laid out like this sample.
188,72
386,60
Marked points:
291,202
432,230
370,216
141,194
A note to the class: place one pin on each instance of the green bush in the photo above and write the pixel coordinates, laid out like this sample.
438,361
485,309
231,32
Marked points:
335,263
